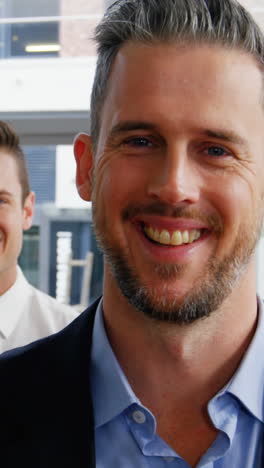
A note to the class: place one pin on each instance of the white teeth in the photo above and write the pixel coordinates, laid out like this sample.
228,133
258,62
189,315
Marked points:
185,237
192,236
164,237
151,232
156,235
175,238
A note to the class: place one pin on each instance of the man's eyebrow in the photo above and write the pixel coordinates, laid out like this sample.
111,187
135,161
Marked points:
5,193
226,136
130,125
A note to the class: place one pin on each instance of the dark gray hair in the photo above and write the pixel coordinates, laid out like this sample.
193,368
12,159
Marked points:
223,22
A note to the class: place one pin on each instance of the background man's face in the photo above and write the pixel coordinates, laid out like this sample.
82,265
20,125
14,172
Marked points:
178,178
14,217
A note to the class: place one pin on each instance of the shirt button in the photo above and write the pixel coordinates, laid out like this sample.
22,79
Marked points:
139,417
168,459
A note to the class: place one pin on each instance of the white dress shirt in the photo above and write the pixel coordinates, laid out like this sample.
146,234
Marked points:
27,314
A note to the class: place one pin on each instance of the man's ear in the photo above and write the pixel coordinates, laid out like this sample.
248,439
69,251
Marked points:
84,164
28,211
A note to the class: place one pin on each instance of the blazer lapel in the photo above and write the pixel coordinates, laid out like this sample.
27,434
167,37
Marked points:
50,421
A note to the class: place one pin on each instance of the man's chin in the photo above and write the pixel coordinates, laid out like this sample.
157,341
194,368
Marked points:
172,293
180,309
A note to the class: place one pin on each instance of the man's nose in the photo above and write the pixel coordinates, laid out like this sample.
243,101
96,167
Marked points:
176,178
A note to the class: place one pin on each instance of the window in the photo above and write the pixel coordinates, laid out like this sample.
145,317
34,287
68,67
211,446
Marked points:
29,33
41,163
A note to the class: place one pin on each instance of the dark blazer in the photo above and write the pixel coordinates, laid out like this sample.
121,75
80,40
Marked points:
46,416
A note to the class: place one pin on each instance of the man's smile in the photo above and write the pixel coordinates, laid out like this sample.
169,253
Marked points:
176,237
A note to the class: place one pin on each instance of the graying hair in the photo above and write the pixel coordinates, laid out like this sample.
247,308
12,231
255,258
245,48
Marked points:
223,22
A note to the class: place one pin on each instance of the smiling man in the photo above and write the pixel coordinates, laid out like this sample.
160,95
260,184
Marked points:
26,314
167,368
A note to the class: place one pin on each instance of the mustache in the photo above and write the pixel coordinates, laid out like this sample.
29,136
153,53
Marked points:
214,221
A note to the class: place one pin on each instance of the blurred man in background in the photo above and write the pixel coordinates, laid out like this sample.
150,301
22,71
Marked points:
26,313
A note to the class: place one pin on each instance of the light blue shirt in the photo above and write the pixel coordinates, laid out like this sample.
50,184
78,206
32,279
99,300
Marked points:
125,430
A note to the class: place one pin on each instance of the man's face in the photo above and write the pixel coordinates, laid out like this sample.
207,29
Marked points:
14,217
178,176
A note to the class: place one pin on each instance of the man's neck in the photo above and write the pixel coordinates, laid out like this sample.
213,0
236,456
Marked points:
176,370
175,363
8,278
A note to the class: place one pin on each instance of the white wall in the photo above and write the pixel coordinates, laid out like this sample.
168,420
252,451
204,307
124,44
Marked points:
66,192
43,85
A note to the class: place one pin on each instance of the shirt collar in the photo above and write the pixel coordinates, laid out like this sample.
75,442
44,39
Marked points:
247,382
12,304
111,392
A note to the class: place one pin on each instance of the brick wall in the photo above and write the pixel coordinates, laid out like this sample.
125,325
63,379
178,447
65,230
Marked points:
251,4
75,35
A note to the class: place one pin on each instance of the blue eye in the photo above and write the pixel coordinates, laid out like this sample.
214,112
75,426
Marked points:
138,141
216,151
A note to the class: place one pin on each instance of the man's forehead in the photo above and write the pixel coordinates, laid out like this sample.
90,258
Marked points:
178,76
9,168
170,67
213,58
132,50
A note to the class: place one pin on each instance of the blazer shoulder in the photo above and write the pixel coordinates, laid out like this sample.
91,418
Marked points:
49,355
46,405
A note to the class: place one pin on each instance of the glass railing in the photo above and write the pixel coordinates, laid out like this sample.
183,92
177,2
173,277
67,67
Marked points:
50,36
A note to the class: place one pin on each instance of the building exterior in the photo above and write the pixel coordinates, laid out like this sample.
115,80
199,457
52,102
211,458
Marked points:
47,63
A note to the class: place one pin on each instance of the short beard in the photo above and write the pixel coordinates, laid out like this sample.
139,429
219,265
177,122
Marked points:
204,298
206,295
